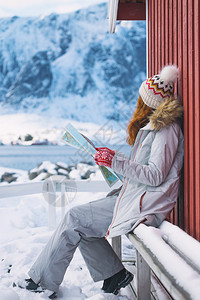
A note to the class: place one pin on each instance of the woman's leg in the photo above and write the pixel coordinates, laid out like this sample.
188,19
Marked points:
90,220
100,258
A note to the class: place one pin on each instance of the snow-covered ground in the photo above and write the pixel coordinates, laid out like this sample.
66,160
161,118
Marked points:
23,234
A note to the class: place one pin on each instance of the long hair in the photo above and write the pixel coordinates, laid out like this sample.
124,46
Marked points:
138,120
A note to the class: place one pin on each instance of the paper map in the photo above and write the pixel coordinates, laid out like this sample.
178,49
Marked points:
73,138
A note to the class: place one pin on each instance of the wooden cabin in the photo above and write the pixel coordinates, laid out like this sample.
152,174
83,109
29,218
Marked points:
173,37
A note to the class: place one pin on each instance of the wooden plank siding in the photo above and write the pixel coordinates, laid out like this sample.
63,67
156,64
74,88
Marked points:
174,38
197,111
131,10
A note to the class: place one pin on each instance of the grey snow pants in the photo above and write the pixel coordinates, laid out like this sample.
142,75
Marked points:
83,226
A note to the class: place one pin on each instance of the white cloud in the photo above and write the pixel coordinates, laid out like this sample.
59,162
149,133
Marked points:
41,7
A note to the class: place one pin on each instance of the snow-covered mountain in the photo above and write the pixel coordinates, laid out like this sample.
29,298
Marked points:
69,65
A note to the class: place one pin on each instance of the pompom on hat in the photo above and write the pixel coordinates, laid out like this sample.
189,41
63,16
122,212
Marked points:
158,88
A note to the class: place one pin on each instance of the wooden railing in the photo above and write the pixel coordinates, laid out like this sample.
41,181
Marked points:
50,189
170,256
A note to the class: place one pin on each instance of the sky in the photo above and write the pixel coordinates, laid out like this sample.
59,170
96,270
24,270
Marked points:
22,8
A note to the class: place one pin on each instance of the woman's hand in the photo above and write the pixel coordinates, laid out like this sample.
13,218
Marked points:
104,156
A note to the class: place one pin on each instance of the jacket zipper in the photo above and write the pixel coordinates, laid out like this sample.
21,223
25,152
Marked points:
107,234
137,145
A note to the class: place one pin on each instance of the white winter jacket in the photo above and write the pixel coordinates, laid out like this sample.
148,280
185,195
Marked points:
151,173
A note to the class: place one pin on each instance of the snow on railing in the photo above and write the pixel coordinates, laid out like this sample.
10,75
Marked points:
172,256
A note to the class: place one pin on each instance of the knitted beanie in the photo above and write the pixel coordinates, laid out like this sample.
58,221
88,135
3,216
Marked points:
158,88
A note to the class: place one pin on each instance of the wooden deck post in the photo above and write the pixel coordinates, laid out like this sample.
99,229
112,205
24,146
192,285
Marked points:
143,278
117,246
62,200
52,206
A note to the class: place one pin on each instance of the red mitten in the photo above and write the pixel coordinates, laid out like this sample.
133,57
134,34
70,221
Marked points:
104,157
105,149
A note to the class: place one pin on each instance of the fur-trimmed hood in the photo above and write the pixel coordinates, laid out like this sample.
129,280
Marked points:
171,110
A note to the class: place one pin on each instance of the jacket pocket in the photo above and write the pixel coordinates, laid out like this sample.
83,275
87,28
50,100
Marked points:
169,189
141,199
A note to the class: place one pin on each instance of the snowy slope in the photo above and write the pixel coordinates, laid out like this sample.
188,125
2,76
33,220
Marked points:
69,66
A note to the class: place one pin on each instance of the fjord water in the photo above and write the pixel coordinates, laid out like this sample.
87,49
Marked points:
28,157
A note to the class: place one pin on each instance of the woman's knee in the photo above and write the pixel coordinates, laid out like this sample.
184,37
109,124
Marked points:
71,216
79,216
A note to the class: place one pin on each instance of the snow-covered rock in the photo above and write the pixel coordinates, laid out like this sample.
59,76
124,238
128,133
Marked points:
17,175
62,165
43,171
47,169
8,177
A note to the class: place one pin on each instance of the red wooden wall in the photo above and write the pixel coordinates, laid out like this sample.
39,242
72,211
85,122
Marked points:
174,38
131,10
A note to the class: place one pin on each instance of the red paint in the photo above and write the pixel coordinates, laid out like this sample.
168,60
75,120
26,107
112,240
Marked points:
131,11
174,38
197,112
